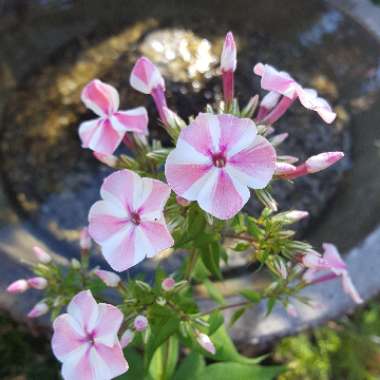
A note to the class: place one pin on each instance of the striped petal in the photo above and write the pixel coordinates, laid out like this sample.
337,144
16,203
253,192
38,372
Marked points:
133,120
100,97
145,76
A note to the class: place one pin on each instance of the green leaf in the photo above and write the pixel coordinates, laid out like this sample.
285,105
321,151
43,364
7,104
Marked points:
190,367
270,305
136,369
165,359
229,371
215,320
211,256
251,295
162,329
237,315
214,292
241,247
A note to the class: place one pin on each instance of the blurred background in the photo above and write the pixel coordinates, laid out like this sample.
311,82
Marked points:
49,49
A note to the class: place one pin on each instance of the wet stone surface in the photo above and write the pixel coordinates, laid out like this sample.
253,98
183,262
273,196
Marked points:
50,179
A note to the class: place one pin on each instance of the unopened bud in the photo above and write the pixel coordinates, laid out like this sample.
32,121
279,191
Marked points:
281,268
111,279
85,241
38,310
228,57
182,201
283,168
19,286
168,284
75,264
287,159
126,338
290,217
270,100
140,323
322,161
37,283
143,285
41,255
161,301
278,139
206,343
107,159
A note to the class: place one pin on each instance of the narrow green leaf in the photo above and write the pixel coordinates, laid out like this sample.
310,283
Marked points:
251,295
211,257
237,315
190,367
214,292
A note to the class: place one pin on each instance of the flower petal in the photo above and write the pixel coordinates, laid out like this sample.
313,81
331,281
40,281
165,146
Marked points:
84,309
78,362
222,196
350,289
108,324
67,337
333,260
134,120
100,97
255,165
145,76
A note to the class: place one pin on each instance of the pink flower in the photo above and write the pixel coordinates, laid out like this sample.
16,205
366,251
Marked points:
146,78
168,284
38,310
126,338
37,283
140,323
109,278
216,160
282,83
312,165
129,223
85,340
85,239
104,134
19,286
206,343
41,255
330,261
228,66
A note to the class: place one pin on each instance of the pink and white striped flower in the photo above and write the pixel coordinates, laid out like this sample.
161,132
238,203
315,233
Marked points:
216,160
282,83
332,262
228,66
146,78
129,223
85,340
105,133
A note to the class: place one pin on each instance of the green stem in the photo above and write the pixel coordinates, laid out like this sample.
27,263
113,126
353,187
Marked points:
225,307
192,261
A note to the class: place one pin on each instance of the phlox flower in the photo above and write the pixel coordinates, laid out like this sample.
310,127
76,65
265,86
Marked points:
332,262
85,340
104,134
282,83
129,223
216,160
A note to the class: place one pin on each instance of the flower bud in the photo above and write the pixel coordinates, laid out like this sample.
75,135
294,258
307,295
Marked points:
182,201
85,239
322,161
172,119
140,323
75,263
168,284
19,286
109,278
143,285
228,57
278,139
126,338
41,255
283,168
270,100
206,343
281,268
107,159
38,283
38,310
290,217
287,159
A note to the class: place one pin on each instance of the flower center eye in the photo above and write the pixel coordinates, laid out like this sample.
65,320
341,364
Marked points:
135,218
219,160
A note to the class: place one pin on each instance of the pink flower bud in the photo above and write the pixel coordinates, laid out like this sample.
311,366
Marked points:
322,161
283,168
295,216
19,286
168,284
41,255
206,343
38,283
182,201
126,338
287,159
85,239
145,76
140,323
228,58
270,100
38,310
109,278
278,139
107,159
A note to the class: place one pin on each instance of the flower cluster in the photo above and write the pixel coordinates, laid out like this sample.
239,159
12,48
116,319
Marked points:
187,198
